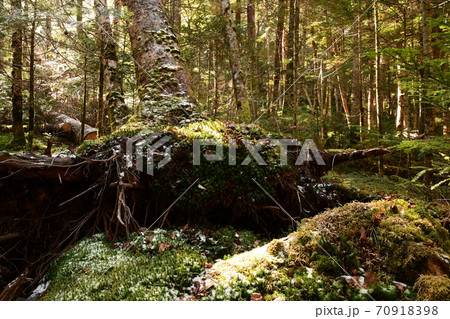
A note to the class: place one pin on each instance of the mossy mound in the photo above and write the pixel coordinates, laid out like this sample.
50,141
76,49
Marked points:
385,250
152,265
227,194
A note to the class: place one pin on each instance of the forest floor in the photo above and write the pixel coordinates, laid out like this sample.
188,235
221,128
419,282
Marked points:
391,248
387,238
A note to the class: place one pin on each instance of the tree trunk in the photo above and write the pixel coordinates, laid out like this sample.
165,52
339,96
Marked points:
344,103
175,16
164,87
240,93
85,98
31,80
112,77
17,98
290,67
297,47
278,69
356,96
2,57
238,13
400,123
427,107
251,37
378,102
101,102
216,78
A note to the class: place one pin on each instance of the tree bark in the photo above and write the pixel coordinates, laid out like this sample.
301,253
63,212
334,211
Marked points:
277,65
290,67
297,47
85,98
31,80
254,72
2,57
112,77
17,98
101,91
427,107
344,103
69,128
240,93
356,96
378,102
163,83
175,8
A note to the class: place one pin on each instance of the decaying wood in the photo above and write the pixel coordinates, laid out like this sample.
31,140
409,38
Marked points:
69,127
342,157
29,166
15,288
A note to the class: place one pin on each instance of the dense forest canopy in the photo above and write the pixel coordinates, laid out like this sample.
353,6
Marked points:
361,78
341,68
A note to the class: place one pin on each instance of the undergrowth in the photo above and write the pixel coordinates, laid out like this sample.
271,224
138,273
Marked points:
152,265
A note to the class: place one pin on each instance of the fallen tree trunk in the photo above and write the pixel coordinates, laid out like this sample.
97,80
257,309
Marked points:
54,201
31,166
69,128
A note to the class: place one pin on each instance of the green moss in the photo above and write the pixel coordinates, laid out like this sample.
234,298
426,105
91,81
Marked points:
433,288
39,143
154,265
377,243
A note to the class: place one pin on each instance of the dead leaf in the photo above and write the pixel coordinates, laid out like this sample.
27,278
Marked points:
148,239
256,244
377,218
256,297
400,286
173,235
201,187
164,246
239,250
196,287
370,278
437,267
208,266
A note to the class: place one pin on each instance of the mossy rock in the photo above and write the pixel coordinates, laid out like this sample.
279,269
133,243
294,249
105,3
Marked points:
385,250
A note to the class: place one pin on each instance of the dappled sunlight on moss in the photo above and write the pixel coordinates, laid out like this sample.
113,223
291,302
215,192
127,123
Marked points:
152,265
378,244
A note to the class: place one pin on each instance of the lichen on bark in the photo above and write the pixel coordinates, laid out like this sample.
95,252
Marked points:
164,87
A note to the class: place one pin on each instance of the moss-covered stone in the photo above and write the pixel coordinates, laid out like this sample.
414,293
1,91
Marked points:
357,252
